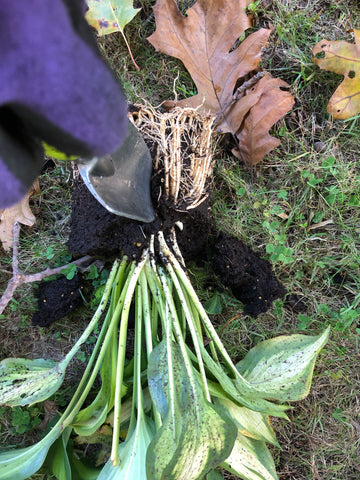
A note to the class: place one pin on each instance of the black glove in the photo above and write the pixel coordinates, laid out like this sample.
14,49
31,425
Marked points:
54,86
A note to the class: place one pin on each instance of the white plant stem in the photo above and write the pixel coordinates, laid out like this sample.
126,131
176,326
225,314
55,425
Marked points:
133,276
178,333
189,317
203,315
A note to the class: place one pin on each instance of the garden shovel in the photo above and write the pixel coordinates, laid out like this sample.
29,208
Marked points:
121,181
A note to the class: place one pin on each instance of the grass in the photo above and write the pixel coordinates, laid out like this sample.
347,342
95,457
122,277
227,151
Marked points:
299,209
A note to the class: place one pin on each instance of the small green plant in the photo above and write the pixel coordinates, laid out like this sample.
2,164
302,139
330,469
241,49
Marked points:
69,271
24,420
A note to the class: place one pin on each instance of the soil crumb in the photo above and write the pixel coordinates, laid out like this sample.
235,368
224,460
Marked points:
99,233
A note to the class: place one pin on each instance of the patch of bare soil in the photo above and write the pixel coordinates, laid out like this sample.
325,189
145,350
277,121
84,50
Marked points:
97,232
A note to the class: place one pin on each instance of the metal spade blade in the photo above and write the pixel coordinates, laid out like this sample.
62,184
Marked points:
121,181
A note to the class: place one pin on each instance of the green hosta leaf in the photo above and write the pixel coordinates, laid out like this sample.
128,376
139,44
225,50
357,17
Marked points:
81,471
21,463
281,368
24,382
132,454
251,424
251,460
241,387
214,475
57,458
195,436
126,408
109,16
213,306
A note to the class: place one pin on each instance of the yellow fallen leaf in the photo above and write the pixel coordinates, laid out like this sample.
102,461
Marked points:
20,213
343,58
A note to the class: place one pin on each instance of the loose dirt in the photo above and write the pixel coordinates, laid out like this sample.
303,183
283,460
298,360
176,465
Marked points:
97,232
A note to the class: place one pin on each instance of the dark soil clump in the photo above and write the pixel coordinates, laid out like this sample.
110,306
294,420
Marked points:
56,299
249,277
96,232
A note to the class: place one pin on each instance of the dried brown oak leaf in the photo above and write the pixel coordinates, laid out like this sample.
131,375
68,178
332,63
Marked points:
204,41
20,213
343,58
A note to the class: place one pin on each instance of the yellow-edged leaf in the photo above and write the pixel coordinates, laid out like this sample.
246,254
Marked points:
343,58
109,16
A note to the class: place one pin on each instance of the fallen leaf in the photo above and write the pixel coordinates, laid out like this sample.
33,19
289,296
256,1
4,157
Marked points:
254,139
20,213
109,16
205,41
343,58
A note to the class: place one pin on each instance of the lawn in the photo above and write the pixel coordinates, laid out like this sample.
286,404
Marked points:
299,209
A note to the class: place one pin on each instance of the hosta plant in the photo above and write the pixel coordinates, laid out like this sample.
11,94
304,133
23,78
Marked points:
180,407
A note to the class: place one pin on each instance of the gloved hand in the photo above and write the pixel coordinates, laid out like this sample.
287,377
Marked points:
54,86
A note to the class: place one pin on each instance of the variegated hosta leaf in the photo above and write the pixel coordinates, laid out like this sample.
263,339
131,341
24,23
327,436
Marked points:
252,424
132,454
207,437
23,381
251,460
195,436
240,387
281,368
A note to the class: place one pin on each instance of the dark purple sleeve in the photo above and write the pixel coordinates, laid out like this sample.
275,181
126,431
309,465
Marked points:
54,86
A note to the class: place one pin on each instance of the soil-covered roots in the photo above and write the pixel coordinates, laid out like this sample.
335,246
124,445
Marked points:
183,142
